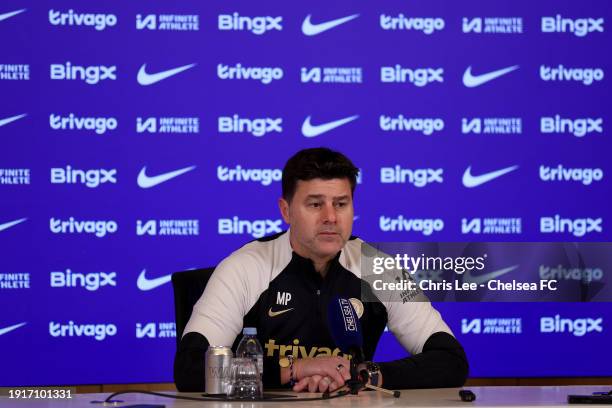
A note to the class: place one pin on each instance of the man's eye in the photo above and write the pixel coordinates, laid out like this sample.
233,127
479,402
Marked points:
341,204
315,205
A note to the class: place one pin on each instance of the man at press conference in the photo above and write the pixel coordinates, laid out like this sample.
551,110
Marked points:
282,285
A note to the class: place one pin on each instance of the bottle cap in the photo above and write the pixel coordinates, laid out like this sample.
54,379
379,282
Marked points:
249,331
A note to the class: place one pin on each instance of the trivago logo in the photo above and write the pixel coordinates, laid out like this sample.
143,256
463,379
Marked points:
561,272
263,74
560,73
560,173
263,176
400,123
71,18
71,122
72,329
428,25
72,226
578,327
425,226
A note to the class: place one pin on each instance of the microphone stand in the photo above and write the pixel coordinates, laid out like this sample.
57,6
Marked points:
359,379
356,384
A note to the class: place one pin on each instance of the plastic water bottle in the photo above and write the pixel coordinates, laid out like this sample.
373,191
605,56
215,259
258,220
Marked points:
250,347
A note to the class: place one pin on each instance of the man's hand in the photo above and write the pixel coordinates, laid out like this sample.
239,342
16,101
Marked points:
321,374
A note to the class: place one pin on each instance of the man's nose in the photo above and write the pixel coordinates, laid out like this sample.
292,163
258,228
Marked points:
329,213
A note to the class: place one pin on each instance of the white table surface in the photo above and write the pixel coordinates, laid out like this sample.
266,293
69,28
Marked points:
524,396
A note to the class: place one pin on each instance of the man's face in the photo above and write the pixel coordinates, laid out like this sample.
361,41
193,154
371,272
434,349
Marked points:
321,217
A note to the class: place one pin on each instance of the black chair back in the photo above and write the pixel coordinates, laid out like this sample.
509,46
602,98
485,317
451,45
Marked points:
188,287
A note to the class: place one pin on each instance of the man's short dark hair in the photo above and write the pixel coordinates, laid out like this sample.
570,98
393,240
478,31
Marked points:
319,162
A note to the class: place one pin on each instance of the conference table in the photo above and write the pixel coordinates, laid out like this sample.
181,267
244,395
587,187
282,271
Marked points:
507,396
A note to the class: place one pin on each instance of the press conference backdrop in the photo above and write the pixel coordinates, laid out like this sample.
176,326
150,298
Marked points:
144,138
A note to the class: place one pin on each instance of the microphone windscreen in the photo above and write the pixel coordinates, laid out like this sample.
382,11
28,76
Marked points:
344,324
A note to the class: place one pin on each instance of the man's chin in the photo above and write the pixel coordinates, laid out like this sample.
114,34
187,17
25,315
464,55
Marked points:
329,245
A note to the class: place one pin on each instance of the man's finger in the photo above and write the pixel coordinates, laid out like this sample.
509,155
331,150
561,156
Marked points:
300,385
333,386
343,368
313,384
324,384
335,374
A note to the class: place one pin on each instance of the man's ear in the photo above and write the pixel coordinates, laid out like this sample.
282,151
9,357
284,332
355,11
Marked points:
283,206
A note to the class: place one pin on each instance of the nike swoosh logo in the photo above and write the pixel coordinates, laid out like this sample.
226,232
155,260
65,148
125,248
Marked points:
310,130
150,79
278,313
10,224
470,181
10,14
472,81
469,278
145,181
6,121
11,328
148,284
313,29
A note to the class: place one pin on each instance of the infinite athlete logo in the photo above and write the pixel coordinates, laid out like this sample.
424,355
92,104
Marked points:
168,22
492,325
14,72
491,225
